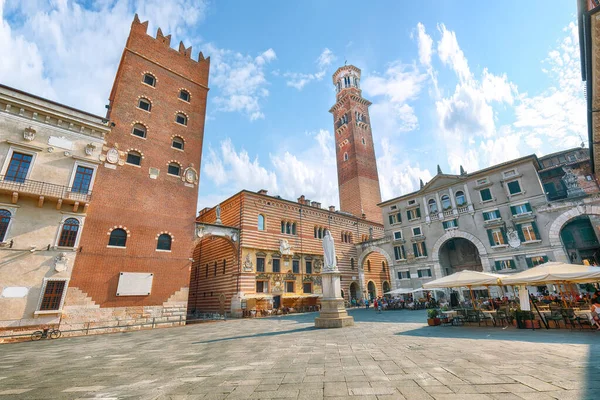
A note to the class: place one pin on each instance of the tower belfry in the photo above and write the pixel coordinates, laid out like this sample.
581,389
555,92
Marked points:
358,181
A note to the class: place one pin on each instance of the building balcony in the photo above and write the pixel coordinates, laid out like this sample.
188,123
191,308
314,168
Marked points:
43,191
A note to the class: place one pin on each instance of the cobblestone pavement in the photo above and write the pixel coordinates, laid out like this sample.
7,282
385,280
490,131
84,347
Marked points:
393,355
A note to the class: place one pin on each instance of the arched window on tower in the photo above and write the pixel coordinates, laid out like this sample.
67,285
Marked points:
164,242
352,264
261,222
369,265
345,156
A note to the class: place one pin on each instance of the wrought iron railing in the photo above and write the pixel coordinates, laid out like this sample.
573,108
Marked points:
16,184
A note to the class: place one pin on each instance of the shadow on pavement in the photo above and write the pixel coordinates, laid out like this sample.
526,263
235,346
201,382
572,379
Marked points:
370,315
263,334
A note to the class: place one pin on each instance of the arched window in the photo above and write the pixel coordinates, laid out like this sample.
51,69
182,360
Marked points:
164,242
174,169
352,264
184,95
432,206
68,234
383,266
181,119
224,265
134,158
294,228
118,238
343,237
446,202
149,79
369,265
363,141
215,268
288,228
320,233
144,104
139,130
349,238
345,156
4,222
261,222
460,198
177,143
282,226
316,232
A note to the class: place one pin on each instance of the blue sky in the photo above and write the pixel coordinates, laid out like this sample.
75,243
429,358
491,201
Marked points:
452,82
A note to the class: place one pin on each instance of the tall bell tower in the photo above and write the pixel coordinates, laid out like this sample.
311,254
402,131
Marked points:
358,181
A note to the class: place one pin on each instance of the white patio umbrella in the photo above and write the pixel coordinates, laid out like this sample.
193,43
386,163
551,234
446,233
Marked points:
464,278
553,272
399,291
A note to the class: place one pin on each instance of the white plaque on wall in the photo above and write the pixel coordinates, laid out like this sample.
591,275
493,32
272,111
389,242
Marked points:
134,284
61,142
14,292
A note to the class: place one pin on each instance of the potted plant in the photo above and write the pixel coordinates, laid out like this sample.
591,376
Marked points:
433,317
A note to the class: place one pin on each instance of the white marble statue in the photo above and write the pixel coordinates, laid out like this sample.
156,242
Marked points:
284,247
329,253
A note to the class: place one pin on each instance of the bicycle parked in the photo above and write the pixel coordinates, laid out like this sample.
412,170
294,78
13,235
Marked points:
46,333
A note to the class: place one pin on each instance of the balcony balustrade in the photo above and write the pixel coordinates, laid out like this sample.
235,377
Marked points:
43,189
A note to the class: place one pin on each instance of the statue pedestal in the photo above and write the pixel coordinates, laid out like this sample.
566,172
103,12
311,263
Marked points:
333,312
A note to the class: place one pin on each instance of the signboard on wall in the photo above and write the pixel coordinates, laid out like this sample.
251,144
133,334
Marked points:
134,284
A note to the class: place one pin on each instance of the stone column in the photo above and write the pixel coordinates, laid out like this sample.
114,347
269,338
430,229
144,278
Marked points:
452,201
333,313
439,206
471,209
426,207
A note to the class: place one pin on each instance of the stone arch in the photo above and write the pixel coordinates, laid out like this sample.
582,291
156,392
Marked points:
562,220
370,249
452,234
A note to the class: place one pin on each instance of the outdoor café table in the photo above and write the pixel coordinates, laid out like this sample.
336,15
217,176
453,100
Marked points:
587,313
491,314
450,313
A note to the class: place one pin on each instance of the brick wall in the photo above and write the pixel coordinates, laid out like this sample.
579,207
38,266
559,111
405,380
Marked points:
127,196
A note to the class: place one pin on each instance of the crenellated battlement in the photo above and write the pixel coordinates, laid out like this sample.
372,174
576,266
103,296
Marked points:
140,30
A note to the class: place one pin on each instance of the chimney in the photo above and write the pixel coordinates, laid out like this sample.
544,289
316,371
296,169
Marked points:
315,204
262,191
332,208
307,202
301,199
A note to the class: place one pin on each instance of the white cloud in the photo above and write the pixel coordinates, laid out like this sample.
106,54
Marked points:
497,88
240,79
425,44
451,54
236,170
56,46
298,80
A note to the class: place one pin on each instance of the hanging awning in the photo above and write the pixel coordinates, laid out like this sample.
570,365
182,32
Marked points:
399,291
464,278
258,296
300,295
554,272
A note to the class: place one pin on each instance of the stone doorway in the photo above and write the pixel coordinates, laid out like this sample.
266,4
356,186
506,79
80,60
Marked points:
372,290
459,254
580,241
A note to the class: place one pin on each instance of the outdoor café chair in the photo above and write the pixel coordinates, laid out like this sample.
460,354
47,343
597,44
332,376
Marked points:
556,316
485,318
569,315
473,316
502,316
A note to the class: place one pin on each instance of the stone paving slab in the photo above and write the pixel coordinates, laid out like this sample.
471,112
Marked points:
393,355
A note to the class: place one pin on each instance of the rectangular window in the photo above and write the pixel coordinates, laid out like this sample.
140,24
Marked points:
83,179
403,275
289,287
562,159
392,219
485,194
393,208
296,266
417,231
504,264
398,235
309,267
276,265
260,264
491,215
497,236
520,209
18,167
413,214
535,261
514,187
52,295
453,223
262,287
307,287
419,249
424,273
530,232
509,173
411,202
399,253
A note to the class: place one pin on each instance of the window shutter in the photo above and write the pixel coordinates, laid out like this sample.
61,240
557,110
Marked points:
529,262
399,217
512,264
456,223
486,216
513,210
424,248
528,207
445,225
535,230
391,217
399,275
415,252
403,252
397,252
419,273
418,212
491,237
545,259
497,265
520,232
503,231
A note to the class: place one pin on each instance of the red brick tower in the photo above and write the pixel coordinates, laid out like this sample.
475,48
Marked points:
135,249
357,168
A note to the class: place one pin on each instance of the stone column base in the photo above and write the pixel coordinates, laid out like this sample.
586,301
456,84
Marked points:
333,315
